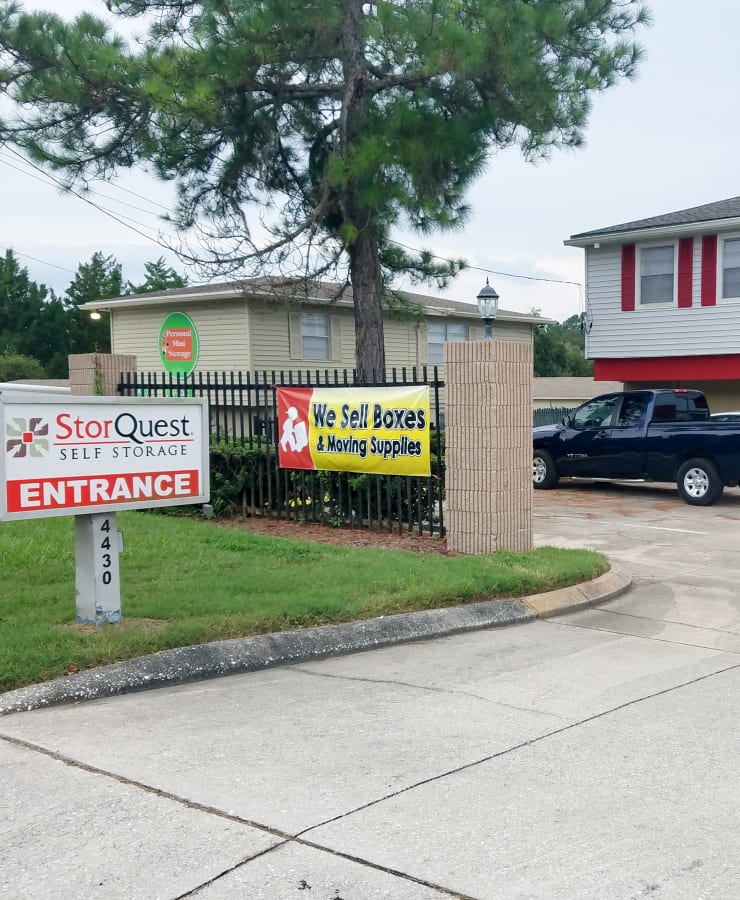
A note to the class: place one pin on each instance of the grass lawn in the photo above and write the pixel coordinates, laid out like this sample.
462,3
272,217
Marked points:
186,581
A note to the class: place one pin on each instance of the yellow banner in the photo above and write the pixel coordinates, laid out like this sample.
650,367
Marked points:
382,430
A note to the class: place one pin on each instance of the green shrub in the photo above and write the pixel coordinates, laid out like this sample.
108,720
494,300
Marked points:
246,480
14,366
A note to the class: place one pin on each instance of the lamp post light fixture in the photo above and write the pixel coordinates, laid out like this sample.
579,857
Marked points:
488,307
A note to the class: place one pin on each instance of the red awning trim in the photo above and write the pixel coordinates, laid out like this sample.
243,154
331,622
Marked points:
669,368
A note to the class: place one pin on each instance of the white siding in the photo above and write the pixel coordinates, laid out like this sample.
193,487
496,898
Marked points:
222,334
604,300
648,333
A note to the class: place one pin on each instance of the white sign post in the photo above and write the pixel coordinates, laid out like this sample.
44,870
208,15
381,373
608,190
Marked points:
92,456
97,579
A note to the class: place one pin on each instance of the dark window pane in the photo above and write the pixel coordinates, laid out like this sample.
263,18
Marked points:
656,289
731,283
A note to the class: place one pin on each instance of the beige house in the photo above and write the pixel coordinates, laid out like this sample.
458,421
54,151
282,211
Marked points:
262,324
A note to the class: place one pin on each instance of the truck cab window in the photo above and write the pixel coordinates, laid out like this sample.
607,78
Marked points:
630,414
596,414
681,407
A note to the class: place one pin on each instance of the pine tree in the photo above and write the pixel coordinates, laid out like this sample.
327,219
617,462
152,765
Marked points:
300,134
159,277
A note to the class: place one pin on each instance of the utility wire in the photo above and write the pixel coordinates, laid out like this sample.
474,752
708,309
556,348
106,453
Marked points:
120,187
36,259
44,180
125,220
96,205
577,284
102,209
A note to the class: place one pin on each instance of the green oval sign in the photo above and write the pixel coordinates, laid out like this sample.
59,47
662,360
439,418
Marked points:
178,344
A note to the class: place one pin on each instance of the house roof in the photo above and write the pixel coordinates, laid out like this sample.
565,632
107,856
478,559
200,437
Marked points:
572,388
692,218
291,289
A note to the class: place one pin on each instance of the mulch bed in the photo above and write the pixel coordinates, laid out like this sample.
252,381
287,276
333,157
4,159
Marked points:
342,537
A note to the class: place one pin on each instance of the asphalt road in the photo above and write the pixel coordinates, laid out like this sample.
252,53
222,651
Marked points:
589,756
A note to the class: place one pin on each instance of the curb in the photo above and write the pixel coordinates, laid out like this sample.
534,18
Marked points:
252,654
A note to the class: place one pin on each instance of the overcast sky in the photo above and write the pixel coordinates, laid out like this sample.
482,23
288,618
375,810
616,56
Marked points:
662,142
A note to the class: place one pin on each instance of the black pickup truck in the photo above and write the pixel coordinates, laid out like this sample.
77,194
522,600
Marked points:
648,435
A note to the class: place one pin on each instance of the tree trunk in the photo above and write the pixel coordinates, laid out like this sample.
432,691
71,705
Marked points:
362,247
367,291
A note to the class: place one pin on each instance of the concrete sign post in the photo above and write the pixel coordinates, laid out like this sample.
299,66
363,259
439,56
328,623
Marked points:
92,456
97,580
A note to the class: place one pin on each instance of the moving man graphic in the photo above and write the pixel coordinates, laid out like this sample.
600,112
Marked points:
295,434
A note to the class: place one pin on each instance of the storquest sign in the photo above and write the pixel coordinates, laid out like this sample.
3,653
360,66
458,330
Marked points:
93,453
91,457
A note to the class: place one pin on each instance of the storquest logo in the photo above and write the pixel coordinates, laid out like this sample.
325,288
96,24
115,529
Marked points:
26,437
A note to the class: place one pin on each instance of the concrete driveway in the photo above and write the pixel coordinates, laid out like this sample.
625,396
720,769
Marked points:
589,756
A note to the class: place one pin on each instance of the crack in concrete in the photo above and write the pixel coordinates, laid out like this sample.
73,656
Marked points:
645,637
431,689
629,615
298,838
285,837
524,744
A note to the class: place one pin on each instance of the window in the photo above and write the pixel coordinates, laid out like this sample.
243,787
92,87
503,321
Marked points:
680,406
594,414
657,279
630,415
731,268
440,333
315,336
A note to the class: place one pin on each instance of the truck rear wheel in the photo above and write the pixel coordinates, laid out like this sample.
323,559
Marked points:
544,473
699,483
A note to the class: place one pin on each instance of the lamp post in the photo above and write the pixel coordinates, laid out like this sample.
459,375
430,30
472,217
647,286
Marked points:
488,307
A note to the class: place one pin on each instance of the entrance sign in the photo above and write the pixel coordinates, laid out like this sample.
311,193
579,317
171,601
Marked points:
90,457
381,430
76,455
178,344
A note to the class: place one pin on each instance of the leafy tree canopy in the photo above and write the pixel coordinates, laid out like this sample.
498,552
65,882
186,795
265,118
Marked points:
159,277
337,120
99,279
32,319
559,350
38,330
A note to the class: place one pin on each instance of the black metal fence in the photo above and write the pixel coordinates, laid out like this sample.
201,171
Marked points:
246,478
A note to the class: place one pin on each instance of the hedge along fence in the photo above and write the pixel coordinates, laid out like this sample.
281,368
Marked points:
245,481
246,478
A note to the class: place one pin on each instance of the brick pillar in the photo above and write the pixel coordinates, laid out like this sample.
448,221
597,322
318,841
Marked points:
98,373
488,446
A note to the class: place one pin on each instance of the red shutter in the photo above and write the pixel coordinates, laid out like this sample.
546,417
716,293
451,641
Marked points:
628,277
685,271
709,270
